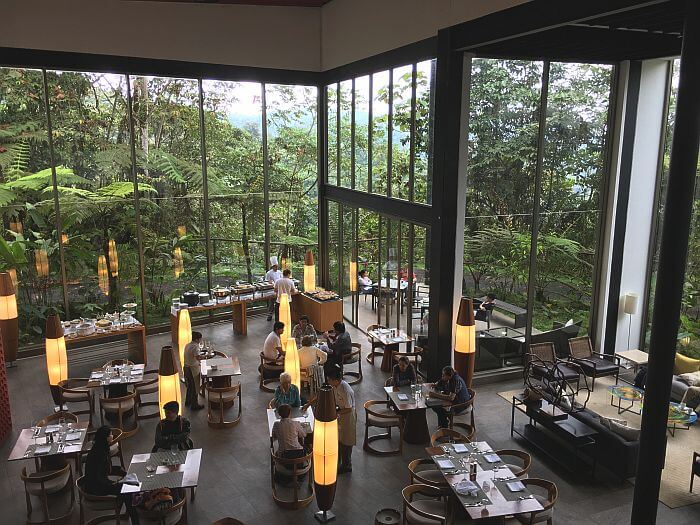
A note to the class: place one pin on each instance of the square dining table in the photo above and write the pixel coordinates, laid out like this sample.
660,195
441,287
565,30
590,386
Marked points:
414,411
155,470
26,448
391,341
496,499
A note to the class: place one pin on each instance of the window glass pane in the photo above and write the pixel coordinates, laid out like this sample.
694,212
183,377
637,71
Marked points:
401,133
333,245
27,194
332,134
380,144
424,130
345,134
362,96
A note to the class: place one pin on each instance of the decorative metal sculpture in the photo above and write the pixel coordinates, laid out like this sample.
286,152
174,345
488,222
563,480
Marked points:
553,386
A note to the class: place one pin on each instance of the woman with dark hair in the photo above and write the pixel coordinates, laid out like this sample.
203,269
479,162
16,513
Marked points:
98,468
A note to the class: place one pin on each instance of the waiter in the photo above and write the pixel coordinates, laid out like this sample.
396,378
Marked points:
272,276
282,286
192,371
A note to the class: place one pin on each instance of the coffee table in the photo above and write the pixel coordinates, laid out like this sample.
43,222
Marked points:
680,419
636,357
631,394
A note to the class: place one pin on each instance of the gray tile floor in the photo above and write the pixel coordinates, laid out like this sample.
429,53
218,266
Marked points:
235,479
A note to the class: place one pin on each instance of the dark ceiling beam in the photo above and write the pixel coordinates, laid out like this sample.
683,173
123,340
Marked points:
278,3
535,17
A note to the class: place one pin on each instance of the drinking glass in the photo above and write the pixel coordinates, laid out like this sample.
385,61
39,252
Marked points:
173,449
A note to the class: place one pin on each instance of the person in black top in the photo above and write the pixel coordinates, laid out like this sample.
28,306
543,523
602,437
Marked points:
404,373
173,430
339,345
98,468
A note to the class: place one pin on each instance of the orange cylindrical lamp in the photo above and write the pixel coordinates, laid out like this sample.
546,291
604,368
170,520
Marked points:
17,227
102,277
113,258
465,341
168,380
352,271
285,316
309,272
9,322
325,452
184,335
41,262
178,264
56,357
291,361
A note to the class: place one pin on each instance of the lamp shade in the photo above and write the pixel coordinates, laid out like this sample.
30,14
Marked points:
465,331
184,334
631,301
56,358
178,264
113,258
8,299
291,362
309,272
41,262
64,239
325,448
168,380
352,270
102,277
181,231
285,316
17,227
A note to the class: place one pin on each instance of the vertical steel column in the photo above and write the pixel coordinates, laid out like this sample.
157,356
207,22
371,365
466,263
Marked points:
57,208
673,252
205,185
266,175
390,135
534,232
321,181
137,201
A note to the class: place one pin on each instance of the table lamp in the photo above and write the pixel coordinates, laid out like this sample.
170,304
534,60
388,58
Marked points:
291,362
325,452
184,335
352,271
465,341
309,272
113,258
102,277
41,262
285,316
56,358
629,306
9,323
168,381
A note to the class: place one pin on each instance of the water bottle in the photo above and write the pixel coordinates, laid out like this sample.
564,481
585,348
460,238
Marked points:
472,471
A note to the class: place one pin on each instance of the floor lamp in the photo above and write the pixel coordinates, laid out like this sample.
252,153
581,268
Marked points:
630,308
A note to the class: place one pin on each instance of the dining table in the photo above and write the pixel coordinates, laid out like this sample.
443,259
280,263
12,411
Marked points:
219,370
50,441
305,417
115,380
495,493
177,469
391,340
413,410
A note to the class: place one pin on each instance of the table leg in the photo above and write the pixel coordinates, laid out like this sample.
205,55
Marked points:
240,320
388,358
416,427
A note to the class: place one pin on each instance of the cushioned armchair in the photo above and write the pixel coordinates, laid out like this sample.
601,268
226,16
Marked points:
592,364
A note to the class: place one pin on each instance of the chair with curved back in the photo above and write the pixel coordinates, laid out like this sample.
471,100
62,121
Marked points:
353,357
414,357
431,476
547,502
90,503
75,390
56,417
149,385
45,484
518,470
119,362
220,399
374,344
430,511
228,521
274,368
592,364
292,468
446,435
167,516
380,414
463,411
119,408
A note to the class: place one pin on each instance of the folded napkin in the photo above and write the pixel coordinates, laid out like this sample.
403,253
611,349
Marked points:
131,479
48,429
492,458
72,436
466,488
43,449
115,380
460,448
515,486
96,375
444,464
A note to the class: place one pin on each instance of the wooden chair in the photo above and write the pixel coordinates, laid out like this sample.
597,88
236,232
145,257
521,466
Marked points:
593,364
416,355
218,401
430,511
374,345
228,521
384,418
695,469
93,504
447,435
519,471
269,366
431,476
547,502
292,468
148,386
54,418
354,357
120,407
544,364
119,362
42,485
75,390
463,411
169,516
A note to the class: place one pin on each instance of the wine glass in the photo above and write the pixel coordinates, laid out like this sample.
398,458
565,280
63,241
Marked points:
173,449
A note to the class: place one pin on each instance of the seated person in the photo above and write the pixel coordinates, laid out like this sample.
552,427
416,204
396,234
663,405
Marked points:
286,393
310,355
364,282
452,388
339,344
404,373
484,307
304,329
289,434
272,348
173,430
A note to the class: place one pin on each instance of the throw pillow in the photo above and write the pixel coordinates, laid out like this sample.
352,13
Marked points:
626,432
685,364
691,378
605,421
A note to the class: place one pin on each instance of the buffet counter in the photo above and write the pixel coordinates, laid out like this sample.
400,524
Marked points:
321,313
134,332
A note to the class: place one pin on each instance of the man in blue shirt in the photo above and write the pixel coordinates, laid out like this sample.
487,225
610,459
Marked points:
452,388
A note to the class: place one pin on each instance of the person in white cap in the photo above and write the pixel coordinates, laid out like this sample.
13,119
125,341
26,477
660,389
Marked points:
272,276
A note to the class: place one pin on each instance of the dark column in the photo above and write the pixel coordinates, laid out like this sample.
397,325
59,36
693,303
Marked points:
449,195
671,273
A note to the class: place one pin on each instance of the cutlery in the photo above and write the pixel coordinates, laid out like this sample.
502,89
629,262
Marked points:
526,497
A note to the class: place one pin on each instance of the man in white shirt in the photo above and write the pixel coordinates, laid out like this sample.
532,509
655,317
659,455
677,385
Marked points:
289,434
282,286
272,348
272,276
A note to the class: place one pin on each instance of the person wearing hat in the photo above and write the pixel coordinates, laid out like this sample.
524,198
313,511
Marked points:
272,276
173,430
